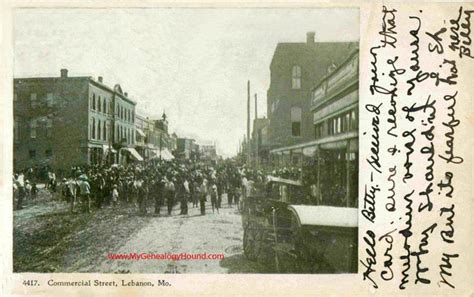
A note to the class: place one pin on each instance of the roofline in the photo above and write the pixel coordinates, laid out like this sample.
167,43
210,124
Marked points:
89,78
99,84
51,77
312,45
328,75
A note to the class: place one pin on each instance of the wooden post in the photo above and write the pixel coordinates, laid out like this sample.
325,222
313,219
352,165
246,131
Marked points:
348,173
318,177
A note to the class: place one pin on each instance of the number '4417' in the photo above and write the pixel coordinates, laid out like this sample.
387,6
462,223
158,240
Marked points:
30,282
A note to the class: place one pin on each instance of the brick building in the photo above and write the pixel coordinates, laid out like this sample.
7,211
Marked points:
295,69
330,160
66,121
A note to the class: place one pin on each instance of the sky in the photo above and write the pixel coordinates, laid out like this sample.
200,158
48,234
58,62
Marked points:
191,63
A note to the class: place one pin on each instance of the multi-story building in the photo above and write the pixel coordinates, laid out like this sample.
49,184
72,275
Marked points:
295,69
152,138
335,116
185,147
143,135
331,159
208,152
66,121
259,147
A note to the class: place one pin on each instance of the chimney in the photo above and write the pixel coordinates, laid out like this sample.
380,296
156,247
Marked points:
100,78
63,73
310,37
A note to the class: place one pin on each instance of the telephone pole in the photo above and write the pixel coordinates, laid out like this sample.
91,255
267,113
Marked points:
248,125
256,133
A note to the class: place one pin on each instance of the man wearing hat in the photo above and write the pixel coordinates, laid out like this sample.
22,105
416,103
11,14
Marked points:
115,195
85,192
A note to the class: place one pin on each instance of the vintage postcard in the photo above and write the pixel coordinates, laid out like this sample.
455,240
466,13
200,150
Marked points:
237,149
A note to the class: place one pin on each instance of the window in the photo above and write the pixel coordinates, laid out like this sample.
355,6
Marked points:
99,131
93,101
49,127
104,132
347,119
295,121
32,154
33,100
33,126
49,100
104,110
93,129
99,104
296,77
16,130
133,116
353,123
48,153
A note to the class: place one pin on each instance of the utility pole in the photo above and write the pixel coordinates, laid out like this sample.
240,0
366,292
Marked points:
248,125
256,133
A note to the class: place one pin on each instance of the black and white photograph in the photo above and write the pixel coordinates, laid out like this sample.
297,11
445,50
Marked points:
185,140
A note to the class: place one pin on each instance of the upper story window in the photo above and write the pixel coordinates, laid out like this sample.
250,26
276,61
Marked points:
93,101
99,105
49,99
33,126
104,131
33,100
296,77
49,127
104,110
93,129
99,130
296,121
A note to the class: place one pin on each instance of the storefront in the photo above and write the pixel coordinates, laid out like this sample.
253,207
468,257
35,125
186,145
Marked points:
330,165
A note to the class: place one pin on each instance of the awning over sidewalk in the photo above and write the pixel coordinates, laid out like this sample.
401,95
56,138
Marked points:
165,154
140,132
106,148
134,153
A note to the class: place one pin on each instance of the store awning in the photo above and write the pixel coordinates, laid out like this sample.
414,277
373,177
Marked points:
140,132
134,153
106,148
165,154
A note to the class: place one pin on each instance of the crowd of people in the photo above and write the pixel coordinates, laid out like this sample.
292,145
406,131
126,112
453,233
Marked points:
161,184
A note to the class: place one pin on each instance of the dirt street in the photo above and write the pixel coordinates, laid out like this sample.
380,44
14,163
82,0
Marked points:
47,238
195,234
